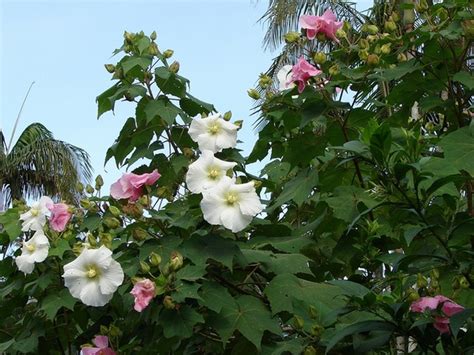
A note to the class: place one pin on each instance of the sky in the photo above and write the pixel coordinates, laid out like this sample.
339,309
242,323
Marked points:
62,46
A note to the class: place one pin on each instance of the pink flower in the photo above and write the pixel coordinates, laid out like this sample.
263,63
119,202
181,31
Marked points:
448,308
130,185
301,72
143,291
326,24
102,343
60,215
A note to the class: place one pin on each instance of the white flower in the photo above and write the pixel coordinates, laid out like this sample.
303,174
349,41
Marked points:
415,112
35,218
284,78
213,133
93,276
33,251
206,172
231,205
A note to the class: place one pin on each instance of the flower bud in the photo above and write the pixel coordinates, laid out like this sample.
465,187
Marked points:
110,68
144,267
292,37
168,53
421,6
112,222
395,16
340,33
412,295
128,37
298,322
118,74
239,123
257,183
371,38
334,70
188,152
106,239
104,330
114,210
85,203
99,182
155,259
373,59
377,49
363,54
421,281
309,350
254,94
168,302
442,14
313,312
89,189
91,239
227,116
176,261
455,284
434,274
346,26
153,49
144,200
401,57
316,330
80,187
133,209
385,49
390,26
139,234
364,44
153,35
319,58
463,282
174,67
114,331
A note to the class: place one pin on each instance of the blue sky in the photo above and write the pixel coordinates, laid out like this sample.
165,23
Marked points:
62,46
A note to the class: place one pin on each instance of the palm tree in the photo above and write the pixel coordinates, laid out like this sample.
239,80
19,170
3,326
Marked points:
37,164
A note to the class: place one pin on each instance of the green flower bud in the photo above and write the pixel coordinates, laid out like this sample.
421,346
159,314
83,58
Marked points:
188,152
371,38
174,67
89,189
112,222
227,115
421,281
104,330
99,182
139,234
91,240
340,33
153,49
239,123
390,26
79,187
334,70
114,210
371,29
298,322
128,37
363,54
421,6
364,44
434,274
346,26
316,330
373,59
377,49
309,350
442,14
319,58
144,267
153,35
386,48
254,94
133,209
313,312
395,16
106,239
455,284
401,57
168,302
155,259
85,203
176,261
114,331
144,200
463,282
168,53
118,74
292,37
110,68
412,295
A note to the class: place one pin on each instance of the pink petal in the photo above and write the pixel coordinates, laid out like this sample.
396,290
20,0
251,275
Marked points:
90,351
442,324
450,308
424,303
117,191
101,341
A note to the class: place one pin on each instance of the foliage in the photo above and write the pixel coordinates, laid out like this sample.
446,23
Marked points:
367,209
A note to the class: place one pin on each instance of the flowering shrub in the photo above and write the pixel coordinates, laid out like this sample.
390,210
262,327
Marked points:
351,239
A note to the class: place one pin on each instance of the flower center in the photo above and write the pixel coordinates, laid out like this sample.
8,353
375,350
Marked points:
214,128
30,247
213,173
231,198
34,212
92,271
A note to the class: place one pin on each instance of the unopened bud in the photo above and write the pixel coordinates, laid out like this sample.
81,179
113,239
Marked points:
298,322
106,239
239,123
371,29
372,38
309,350
188,152
144,267
104,330
153,49
390,26
176,261
139,234
85,203
463,282
319,58
118,74
99,182
89,189
434,274
363,54
114,331
316,330
254,94
377,49
401,57
292,37
364,44
227,116
421,281
155,259
373,59
334,70
80,187
153,35
168,302
168,53
421,6
144,200
128,37
395,16
112,222
412,295
110,68
442,14
385,49
114,210
91,239
257,183
133,209
174,67
340,33
313,312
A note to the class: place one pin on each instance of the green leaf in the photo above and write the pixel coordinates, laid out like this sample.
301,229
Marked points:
59,248
104,103
278,263
53,302
397,72
249,316
169,82
179,322
191,272
285,288
215,297
193,106
459,319
161,107
91,223
10,221
185,290
465,78
345,202
128,63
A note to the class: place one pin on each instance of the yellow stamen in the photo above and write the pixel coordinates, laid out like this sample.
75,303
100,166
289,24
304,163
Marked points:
92,272
30,247
213,174
231,198
214,129
34,212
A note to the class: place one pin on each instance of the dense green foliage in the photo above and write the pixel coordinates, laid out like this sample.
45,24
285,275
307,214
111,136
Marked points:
367,209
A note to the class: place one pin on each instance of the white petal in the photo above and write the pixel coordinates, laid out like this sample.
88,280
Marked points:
249,204
25,263
233,219
111,278
75,280
91,295
211,207
40,253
